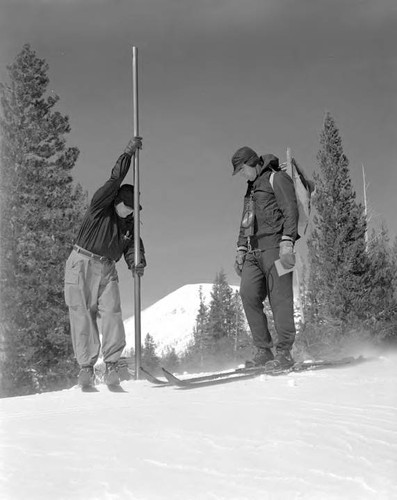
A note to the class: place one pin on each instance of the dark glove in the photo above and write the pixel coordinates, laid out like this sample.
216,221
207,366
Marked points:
138,270
287,254
240,259
133,145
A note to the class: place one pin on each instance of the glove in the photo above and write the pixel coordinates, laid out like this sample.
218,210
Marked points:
240,259
287,254
133,145
138,270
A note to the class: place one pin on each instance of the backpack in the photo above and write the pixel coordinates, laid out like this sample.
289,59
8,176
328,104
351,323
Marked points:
303,190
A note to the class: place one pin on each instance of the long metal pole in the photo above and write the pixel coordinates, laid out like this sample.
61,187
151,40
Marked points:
137,238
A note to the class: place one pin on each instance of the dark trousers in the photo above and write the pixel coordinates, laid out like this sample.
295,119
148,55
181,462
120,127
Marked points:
259,279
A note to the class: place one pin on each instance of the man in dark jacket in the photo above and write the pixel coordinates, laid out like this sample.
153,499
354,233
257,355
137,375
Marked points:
91,281
268,232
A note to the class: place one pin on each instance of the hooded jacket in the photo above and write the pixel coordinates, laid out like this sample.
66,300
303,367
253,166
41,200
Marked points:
102,231
275,208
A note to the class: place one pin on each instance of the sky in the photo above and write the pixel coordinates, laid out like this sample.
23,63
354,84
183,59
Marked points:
214,76
325,435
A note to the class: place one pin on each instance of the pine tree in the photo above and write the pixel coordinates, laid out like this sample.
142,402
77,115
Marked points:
219,334
393,256
393,262
239,329
337,252
380,304
41,209
200,330
221,311
150,360
170,359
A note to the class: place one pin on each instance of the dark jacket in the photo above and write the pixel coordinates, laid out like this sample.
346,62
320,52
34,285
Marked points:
102,231
275,209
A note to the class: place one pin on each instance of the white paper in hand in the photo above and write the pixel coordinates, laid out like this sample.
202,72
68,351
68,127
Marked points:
281,269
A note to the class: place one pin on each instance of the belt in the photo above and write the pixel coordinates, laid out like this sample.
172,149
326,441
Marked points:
253,246
91,255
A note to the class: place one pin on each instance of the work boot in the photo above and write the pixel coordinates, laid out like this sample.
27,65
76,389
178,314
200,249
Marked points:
282,361
123,371
111,374
261,357
86,376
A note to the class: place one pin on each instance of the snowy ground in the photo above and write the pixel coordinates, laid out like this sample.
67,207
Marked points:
323,435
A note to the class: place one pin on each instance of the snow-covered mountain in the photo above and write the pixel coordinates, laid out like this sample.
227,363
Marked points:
170,321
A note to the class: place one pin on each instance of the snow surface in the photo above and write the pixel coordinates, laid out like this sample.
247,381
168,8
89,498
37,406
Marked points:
329,434
170,321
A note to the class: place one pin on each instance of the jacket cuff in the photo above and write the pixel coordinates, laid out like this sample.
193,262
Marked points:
242,248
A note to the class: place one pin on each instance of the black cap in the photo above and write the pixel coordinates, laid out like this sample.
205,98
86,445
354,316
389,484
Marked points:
243,155
126,195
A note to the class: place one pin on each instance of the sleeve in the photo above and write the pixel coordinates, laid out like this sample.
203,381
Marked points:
129,254
284,192
106,194
242,240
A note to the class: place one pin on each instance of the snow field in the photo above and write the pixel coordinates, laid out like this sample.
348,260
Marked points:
321,435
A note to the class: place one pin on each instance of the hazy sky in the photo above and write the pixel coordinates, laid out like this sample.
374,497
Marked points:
214,75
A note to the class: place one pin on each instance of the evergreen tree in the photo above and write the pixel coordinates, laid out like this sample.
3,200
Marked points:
239,330
170,360
337,251
150,360
200,330
40,212
221,312
380,304
393,256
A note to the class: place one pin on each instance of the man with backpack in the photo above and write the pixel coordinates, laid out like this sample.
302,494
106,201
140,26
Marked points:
268,231
91,281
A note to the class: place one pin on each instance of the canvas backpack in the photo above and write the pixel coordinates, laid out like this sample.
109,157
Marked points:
304,189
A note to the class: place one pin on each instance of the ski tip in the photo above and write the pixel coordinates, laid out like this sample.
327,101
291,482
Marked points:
168,375
151,378
172,379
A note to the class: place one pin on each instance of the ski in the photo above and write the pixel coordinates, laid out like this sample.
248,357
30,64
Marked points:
151,378
247,373
164,383
214,378
157,381
237,372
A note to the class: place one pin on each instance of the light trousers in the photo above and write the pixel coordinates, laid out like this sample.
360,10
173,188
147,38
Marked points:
92,295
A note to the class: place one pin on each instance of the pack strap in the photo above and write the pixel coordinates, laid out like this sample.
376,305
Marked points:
271,180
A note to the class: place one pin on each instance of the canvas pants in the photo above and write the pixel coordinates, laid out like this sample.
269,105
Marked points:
260,279
92,294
